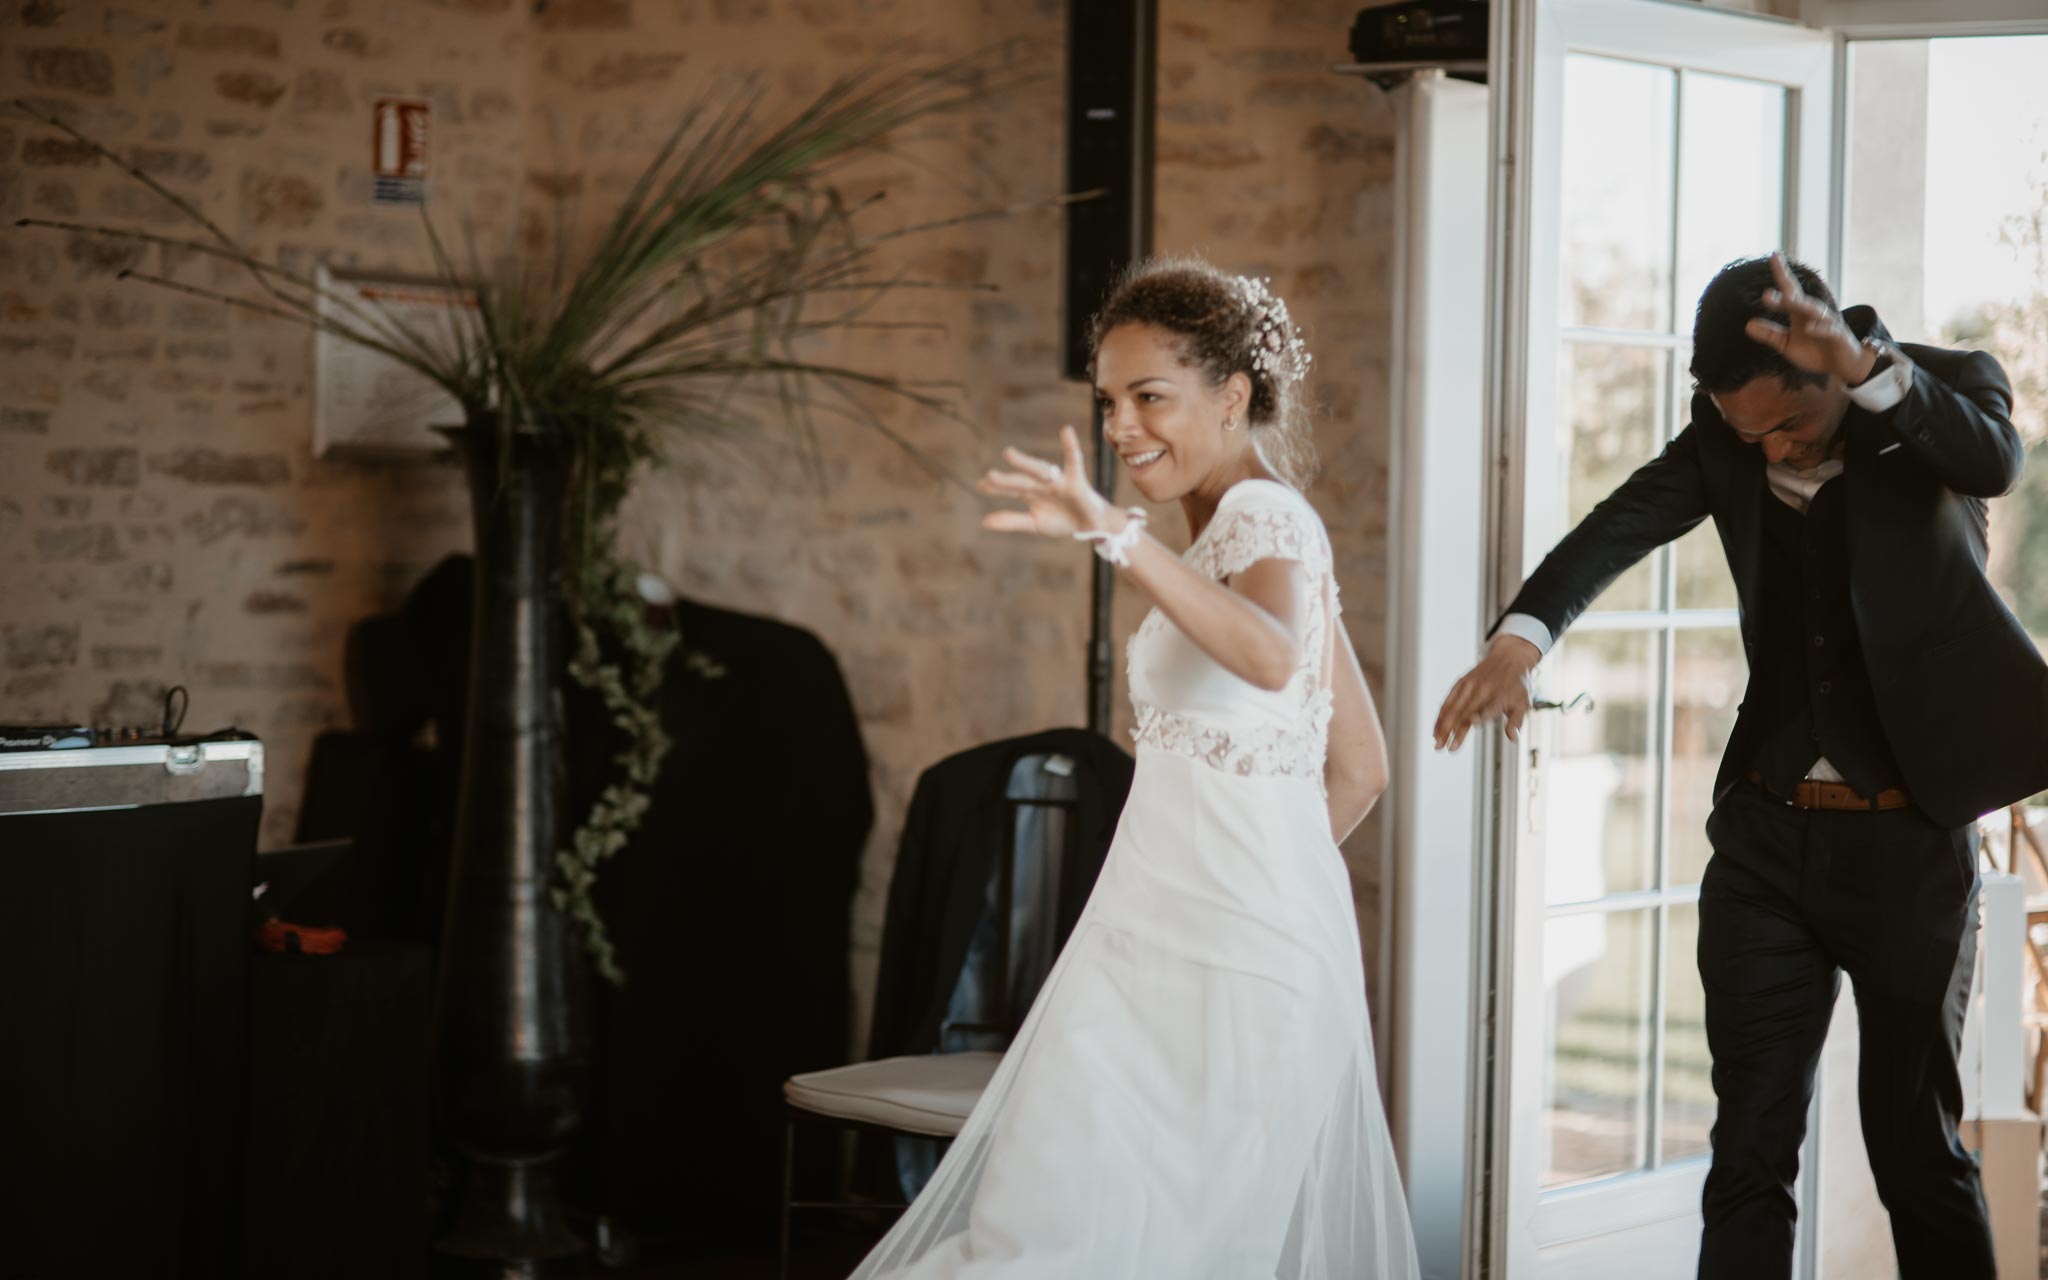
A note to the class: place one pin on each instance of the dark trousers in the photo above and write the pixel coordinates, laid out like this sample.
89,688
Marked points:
1790,901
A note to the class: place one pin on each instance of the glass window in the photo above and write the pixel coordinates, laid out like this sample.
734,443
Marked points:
1600,780
1731,179
1616,214
1708,675
1614,402
1688,1068
1667,176
1597,971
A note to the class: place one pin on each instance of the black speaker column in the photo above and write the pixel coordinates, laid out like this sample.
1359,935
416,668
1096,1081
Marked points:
1111,65
1111,61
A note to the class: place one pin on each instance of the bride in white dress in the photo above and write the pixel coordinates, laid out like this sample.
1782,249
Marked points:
1192,1094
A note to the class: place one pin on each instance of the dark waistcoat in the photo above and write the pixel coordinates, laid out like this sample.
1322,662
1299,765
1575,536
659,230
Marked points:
1812,681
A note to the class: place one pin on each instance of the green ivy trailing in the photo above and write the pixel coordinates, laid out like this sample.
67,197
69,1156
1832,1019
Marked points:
622,658
629,684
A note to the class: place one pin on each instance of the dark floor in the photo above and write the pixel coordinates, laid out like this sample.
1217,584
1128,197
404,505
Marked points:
831,1256
823,1260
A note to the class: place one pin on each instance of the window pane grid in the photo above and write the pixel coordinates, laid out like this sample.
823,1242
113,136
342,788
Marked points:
1620,298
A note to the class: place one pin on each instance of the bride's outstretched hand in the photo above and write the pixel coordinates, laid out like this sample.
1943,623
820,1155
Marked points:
1058,500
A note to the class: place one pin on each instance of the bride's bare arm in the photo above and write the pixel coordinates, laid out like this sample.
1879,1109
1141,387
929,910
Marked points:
1251,627
1355,771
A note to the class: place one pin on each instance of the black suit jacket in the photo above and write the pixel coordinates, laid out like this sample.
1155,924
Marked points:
1960,688
949,849
732,909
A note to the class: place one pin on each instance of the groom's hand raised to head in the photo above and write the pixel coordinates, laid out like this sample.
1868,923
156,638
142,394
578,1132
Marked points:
1814,336
1496,689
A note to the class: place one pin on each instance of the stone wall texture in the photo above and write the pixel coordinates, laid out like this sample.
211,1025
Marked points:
162,518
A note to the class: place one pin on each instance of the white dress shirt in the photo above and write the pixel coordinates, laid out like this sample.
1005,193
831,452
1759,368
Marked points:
1793,487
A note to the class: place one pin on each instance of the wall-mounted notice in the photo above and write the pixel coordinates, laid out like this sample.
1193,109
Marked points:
366,402
398,150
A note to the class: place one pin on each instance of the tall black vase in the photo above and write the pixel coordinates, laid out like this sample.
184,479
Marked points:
511,1004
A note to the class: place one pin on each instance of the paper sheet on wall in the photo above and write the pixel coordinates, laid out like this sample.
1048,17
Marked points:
367,402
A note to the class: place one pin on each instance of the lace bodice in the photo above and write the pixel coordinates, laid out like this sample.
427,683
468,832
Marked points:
1188,704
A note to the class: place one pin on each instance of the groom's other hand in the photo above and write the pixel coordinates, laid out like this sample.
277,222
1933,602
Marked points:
1496,689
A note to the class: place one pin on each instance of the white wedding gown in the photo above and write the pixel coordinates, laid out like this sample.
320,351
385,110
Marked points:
1192,1094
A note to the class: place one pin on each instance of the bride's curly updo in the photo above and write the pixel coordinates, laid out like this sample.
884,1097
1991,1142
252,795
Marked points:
1226,324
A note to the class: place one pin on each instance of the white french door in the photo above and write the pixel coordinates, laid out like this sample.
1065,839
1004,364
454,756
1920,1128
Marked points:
1648,143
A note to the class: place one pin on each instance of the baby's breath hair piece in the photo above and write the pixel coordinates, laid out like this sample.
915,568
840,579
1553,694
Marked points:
1278,350
1224,324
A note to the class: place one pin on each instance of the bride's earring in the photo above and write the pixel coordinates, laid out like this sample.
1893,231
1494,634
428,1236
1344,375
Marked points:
1230,423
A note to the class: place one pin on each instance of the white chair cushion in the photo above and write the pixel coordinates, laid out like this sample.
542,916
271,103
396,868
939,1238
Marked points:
927,1093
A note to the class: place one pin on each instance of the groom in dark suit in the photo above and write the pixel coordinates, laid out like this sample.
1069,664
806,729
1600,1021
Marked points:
1892,699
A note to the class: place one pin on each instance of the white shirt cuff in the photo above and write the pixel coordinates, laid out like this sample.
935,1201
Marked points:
1888,388
1524,627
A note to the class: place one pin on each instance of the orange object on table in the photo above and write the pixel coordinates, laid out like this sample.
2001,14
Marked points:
282,938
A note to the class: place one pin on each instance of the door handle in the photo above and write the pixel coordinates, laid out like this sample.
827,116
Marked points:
1581,701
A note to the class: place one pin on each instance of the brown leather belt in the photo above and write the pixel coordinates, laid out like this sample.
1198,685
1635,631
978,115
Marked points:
1815,794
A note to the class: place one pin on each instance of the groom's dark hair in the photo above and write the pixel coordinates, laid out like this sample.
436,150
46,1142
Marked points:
1723,356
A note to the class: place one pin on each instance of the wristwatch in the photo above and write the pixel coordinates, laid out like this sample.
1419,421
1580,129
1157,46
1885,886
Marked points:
1883,351
1889,381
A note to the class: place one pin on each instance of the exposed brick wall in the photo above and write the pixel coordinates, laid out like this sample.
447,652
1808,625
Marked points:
162,520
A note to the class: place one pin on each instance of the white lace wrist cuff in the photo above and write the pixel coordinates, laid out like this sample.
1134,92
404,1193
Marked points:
1116,547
